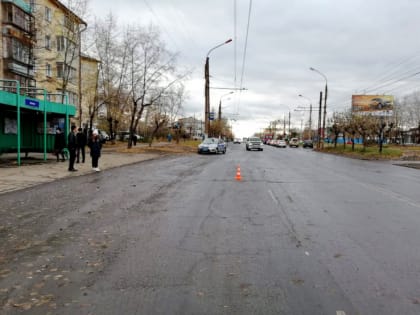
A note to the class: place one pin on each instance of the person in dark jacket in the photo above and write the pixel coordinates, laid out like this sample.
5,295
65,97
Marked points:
59,144
72,146
81,144
95,146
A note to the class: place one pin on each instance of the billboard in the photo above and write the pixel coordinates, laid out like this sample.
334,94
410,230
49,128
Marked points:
374,104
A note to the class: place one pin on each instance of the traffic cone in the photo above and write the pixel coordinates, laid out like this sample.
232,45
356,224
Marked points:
238,173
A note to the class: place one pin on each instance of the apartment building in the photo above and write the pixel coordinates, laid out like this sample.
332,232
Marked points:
17,43
57,50
88,111
40,45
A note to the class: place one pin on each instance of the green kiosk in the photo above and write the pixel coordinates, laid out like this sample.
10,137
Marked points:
28,120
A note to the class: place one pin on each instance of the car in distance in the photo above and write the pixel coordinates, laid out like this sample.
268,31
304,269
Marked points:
308,144
212,145
103,136
294,142
254,143
237,140
281,144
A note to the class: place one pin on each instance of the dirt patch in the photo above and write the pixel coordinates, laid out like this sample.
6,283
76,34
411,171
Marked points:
158,148
411,155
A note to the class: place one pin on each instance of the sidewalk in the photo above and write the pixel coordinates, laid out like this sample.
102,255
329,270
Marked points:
34,170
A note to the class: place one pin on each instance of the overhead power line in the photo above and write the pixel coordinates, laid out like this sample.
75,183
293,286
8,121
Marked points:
393,71
246,43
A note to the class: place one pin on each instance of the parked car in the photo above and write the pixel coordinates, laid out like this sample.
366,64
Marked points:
254,143
281,144
308,144
212,145
103,135
125,135
294,142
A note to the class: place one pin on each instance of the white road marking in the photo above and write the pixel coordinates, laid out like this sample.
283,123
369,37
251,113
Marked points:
341,313
272,196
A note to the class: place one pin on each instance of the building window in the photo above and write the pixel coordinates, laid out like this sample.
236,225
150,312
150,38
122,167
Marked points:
47,41
60,70
20,52
47,14
32,5
65,72
73,99
48,70
61,43
68,23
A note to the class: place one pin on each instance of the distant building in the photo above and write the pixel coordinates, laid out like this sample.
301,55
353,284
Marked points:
192,127
89,81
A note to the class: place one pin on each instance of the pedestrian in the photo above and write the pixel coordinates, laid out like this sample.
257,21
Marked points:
134,139
59,144
95,146
72,146
81,144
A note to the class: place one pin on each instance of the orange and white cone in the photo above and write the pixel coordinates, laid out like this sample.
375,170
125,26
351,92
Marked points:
238,173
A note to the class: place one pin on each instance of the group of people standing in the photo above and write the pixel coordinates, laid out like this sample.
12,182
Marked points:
76,143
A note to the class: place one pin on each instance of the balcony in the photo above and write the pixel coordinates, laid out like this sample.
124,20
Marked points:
19,3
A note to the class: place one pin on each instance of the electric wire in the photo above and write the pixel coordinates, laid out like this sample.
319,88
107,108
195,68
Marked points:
246,44
235,37
393,71
161,24
245,50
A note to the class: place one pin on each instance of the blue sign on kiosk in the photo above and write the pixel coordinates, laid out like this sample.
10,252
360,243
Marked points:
32,103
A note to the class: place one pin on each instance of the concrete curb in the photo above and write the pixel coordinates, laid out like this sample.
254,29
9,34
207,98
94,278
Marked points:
34,170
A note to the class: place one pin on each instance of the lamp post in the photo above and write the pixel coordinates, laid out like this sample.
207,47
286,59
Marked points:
310,114
207,87
220,105
325,103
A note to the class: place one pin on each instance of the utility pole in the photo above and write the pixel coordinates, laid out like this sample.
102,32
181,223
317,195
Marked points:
207,87
319,121
207,97
310,121
325,102
325,115
284,127
289,121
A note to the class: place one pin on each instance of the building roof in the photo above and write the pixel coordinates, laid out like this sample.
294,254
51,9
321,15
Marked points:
64,8
89,58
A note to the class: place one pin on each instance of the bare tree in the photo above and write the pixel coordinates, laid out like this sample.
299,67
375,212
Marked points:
338,127
166,109
112,71
150,71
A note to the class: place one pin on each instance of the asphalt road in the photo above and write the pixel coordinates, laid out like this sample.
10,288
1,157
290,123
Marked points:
301,233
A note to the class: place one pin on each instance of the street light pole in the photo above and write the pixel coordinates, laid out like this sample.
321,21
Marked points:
318,145
220,105
325,103
310,115
207,87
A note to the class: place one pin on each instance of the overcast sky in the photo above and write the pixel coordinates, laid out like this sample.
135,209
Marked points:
361,46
